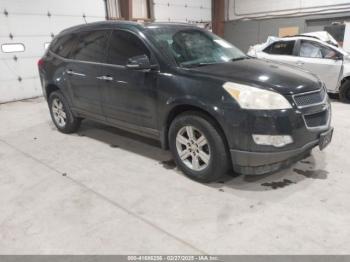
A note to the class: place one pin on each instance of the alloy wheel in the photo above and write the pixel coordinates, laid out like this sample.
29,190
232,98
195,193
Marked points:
58,112
193,148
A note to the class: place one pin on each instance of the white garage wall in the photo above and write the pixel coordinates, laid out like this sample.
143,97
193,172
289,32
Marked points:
182,10
32,22
238,9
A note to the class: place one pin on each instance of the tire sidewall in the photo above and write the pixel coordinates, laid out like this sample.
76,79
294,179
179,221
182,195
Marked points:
69,116
344,93
211,172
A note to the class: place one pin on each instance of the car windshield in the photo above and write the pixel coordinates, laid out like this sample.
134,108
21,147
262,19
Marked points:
191,47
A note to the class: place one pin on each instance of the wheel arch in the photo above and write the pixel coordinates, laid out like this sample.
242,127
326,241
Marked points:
344,89
49,88
52,87
345,78
182,108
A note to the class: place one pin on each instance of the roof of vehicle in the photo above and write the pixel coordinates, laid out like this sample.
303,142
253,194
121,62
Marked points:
323,36
110,24
304,37
320,35
272,39
311,38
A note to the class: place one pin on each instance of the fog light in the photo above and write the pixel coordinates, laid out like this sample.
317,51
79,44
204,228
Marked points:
269,140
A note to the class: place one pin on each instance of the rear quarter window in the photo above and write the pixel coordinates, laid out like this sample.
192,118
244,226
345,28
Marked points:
63,45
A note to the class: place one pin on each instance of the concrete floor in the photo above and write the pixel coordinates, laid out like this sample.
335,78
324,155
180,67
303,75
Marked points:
104,191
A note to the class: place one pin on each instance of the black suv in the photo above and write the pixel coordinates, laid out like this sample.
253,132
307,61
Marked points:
213,106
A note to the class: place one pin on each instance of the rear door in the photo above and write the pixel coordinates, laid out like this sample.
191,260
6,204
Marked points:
83,70
129,96
321,60
281,51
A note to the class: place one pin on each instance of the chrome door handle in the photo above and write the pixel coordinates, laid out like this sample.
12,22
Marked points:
71,72
105,78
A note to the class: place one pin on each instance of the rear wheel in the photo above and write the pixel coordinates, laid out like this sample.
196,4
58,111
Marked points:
198,147
61,114
344,93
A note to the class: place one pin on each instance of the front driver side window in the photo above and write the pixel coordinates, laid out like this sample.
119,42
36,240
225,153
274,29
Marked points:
314,50
308,49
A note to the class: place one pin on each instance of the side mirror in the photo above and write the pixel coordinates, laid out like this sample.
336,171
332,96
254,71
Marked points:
339,57
335,57
140,62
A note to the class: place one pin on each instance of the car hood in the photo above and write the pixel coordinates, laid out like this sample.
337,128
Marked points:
285,79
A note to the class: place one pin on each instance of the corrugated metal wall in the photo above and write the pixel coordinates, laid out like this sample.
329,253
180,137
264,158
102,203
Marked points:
33,23
251,21
245,33
182,10
239,9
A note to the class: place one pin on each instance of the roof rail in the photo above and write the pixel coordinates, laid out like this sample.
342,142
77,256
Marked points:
311,36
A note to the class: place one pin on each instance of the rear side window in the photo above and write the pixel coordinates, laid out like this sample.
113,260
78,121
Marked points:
124,45
280,48
63,45
92,46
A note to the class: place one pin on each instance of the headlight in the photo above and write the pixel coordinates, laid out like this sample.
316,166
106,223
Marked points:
249,97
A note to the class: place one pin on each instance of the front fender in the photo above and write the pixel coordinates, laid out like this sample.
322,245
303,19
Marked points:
190,101
185,103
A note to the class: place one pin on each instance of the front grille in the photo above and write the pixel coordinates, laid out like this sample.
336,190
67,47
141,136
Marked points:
308,99
318,119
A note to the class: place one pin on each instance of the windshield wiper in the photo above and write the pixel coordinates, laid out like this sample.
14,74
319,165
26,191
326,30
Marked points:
239,58
198,64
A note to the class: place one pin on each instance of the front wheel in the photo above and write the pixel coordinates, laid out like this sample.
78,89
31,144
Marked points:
61,114
198,147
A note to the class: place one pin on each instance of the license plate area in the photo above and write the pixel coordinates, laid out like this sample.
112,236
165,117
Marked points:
325,139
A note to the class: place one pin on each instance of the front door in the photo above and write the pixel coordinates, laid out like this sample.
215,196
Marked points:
129,96
321,60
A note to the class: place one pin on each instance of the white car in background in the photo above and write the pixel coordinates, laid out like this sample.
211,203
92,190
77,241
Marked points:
321,57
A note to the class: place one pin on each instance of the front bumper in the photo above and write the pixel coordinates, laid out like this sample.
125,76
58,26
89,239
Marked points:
304,124
257,163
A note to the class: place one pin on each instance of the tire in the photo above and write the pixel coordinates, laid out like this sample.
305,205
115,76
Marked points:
61,114
333,95
344,93
195,162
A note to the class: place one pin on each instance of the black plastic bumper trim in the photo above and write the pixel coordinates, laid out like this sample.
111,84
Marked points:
246,162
